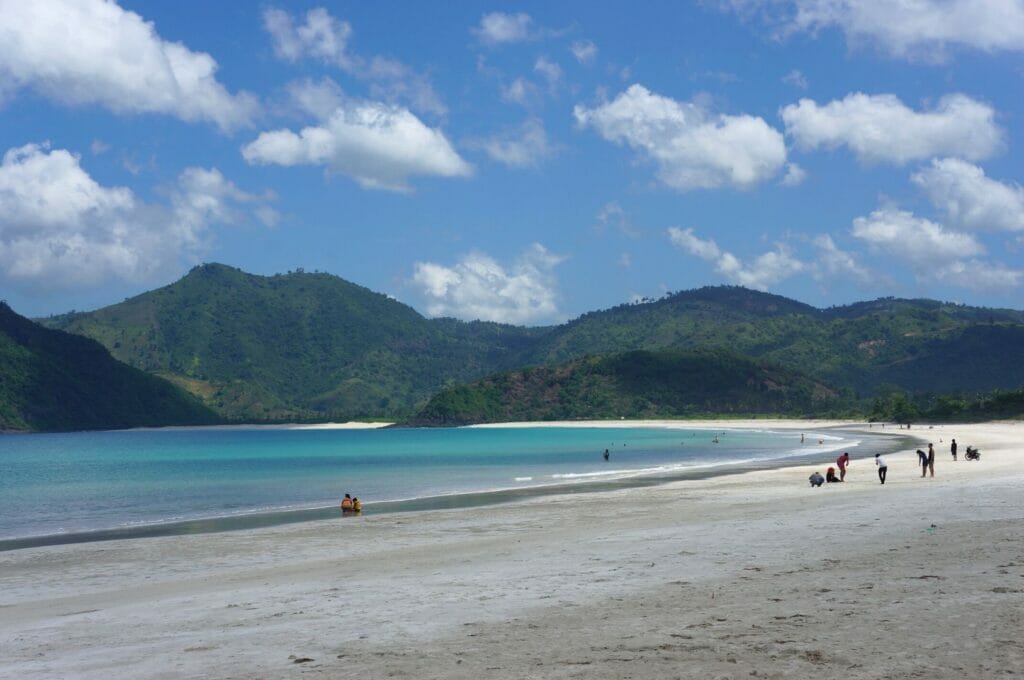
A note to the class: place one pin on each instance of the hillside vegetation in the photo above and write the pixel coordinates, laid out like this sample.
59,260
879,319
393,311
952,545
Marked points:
293,347
309,346
640,384
50,380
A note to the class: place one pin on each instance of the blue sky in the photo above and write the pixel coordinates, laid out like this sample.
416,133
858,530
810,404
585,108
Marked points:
523,163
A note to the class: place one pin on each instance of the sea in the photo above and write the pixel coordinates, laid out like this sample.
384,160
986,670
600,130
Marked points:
89,486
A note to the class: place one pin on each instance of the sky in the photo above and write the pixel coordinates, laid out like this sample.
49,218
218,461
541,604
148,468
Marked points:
523,163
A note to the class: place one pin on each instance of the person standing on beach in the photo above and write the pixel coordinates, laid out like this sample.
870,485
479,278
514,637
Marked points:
883,467
952,449
841,462
931,460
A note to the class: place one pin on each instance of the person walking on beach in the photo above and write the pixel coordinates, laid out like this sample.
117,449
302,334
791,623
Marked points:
883,467
841,462
931,460
952,449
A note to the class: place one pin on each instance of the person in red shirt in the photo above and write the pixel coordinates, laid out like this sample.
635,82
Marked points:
842,461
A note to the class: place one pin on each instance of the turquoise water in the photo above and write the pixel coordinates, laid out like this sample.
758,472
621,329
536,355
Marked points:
73,483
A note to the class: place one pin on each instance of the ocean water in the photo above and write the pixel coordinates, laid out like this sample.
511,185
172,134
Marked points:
69,487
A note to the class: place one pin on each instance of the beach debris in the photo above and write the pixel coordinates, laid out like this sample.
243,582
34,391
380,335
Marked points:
299,659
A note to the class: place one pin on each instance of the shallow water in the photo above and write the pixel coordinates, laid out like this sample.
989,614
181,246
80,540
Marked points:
58,488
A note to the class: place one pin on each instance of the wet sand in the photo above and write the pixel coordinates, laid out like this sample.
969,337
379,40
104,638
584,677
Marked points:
747,575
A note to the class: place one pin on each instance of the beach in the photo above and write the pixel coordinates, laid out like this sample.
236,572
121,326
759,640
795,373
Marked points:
738,576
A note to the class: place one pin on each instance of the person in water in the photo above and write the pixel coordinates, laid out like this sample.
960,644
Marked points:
606,454
346,503
357,505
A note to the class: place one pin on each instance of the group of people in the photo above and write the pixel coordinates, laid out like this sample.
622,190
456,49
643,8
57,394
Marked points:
925,459
351,505
830,475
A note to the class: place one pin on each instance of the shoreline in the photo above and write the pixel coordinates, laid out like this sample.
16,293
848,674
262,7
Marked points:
732,576
625,479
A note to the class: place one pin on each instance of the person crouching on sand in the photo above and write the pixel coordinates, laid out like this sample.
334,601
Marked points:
883,467
816,479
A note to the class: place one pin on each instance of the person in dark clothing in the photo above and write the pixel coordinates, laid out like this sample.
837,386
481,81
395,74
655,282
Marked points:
952,449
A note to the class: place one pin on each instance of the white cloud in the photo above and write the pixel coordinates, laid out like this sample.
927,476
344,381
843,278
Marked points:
933,252
95,52
321,36
834,264
478,287
795,175
378,146
765,271
796,79
326,38
921,241
918,28
99,147
970,198
613,215
499,28
692,147
979,275
59,228
881,129
584,51
551,71
319,98
526,146
519,91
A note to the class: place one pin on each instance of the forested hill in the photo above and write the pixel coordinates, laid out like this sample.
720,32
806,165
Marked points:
918,345
294,346
313,346
50,380
638,384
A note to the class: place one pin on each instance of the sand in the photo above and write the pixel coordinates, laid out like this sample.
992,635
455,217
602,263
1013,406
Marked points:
747,575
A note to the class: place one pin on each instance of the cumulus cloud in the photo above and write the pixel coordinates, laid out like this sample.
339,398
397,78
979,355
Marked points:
763,272
60,228
971,199
933,251
500,28
377,145
796,79
520,91
919,29
326,38
692,147
613,215
478,287
551,71
585,51
321,36
914,238
881,129
833,263
795,175
81,52
523,147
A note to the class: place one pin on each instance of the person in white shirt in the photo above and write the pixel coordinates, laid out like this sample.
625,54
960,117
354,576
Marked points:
883,467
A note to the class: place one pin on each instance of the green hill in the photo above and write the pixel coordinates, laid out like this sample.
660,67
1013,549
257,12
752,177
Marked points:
54,381
293,346
309,346
639,384
918,345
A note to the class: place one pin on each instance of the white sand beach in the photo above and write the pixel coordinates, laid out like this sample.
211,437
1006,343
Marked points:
740,576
